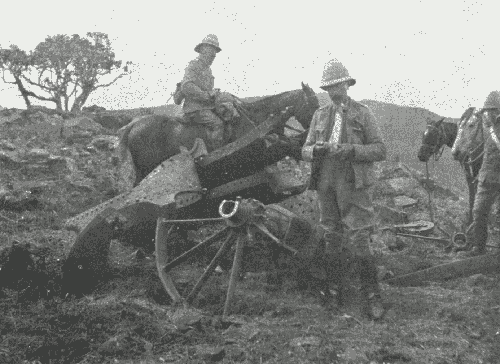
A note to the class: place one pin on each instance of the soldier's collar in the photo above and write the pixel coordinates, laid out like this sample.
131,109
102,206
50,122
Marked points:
345,105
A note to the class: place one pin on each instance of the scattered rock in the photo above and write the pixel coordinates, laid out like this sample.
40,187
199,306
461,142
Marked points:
37,154
105,143
91,149
20,201
11,116
210,353
10,158
186,319
354,356
403,184
305,341
404,201
59,164
480,280
4,144
235,353
384,273
112,347
81,129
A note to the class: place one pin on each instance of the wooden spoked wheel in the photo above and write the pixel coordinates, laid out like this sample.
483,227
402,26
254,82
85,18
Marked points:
242,218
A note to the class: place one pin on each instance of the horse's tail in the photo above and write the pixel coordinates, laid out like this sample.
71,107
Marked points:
124,132
123,149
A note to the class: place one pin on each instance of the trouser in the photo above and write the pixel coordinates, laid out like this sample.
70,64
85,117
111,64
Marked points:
486,195
214,127
346,216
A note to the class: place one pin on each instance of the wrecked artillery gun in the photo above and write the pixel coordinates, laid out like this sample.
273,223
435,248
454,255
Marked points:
196,187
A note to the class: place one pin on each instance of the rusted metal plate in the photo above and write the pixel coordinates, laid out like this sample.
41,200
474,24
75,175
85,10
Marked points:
153,197
303,205
284,179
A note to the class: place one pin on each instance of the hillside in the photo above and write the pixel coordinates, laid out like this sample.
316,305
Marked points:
54,168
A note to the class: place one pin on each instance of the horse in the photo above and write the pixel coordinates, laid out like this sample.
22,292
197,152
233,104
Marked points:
151,139
436,135
468,149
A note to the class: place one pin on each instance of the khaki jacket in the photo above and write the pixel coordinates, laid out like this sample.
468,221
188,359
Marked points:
360,129
490,170
197,82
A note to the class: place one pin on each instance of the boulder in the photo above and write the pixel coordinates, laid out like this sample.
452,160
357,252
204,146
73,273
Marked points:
105,142
10,158
9,116
6,145
37,154
81,129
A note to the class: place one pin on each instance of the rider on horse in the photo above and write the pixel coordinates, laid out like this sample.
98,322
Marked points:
199,95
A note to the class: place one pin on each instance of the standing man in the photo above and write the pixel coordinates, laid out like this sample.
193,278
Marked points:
488,178
198,90
343,143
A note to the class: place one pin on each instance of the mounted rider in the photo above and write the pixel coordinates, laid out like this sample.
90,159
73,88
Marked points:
343,143
198,93
489,175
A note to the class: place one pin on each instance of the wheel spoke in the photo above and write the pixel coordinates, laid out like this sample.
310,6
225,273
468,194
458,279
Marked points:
194,221
211,267
288,248
182,258
162,257
234,273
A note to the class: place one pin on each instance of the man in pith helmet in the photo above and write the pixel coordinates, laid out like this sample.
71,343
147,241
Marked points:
343,143
489,175
198,90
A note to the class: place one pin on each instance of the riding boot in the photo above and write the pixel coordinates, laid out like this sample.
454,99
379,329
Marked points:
372,303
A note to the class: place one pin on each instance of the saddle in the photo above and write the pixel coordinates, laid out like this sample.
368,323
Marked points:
226,108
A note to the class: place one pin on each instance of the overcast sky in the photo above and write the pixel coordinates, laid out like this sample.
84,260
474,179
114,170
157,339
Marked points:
441,55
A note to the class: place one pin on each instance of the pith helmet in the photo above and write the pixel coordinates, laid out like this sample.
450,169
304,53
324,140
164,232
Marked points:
492,101
209,39
334,73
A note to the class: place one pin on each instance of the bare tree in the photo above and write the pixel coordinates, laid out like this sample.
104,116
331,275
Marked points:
62,68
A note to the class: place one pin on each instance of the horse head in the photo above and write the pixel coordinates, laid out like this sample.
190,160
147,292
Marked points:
433,140
470,136
305,110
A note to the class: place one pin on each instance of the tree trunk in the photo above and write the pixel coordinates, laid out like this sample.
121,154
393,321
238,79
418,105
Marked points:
81,99
24,92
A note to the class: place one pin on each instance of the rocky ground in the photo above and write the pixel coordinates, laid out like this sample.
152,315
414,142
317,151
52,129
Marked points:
54,167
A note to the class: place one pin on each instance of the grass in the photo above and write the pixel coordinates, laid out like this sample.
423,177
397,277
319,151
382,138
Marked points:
129,318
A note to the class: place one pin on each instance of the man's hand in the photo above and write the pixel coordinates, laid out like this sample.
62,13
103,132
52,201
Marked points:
344,152
320,150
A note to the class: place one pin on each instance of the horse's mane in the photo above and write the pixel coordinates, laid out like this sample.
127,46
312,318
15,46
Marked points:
270,101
